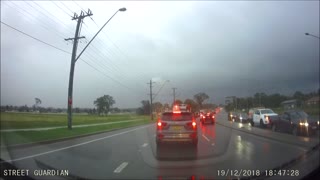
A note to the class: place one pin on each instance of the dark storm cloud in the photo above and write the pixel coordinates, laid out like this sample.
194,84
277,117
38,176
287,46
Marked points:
220,48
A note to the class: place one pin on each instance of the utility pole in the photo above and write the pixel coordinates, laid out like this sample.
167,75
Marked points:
174,95
151,106
73,60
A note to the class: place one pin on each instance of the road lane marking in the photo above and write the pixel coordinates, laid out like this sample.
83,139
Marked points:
76,145
205,137
121,167
212,144
145,144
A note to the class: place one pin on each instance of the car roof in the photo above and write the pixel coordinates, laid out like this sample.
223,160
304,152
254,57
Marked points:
171,112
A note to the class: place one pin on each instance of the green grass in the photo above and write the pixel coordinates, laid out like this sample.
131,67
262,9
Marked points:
29,120
21,137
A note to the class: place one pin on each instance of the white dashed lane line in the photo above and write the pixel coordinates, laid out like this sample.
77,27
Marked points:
121,167
145,144
205,137
75,145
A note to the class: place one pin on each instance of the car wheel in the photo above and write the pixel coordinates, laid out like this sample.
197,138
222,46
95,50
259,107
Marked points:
251,122
261,123
274,128
295,131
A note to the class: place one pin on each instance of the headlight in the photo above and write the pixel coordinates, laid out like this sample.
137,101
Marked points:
306,124
318,122
241,118
301,123
230,115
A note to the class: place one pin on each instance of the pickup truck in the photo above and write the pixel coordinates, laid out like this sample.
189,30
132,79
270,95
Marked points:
296,122
263,117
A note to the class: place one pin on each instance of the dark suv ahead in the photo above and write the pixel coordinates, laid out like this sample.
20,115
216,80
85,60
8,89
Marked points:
177,127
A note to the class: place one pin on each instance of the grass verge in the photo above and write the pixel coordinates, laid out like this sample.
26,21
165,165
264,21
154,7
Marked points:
22,137
31,120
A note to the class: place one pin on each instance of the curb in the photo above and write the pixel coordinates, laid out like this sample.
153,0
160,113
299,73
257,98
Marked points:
267,137
64,139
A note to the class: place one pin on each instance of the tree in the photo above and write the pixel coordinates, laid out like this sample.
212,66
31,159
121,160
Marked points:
193,104
145,109
166,106
200,97
104,103
157,107
36,105
177,101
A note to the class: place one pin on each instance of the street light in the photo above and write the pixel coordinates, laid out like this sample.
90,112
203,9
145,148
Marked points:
74,60
308,34
121,9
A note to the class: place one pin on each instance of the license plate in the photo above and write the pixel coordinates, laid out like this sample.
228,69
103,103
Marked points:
176,128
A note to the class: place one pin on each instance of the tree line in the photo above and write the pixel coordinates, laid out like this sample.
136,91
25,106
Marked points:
196,103
270,101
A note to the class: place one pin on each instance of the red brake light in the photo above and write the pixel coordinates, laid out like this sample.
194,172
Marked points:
159,124
212,116
194,123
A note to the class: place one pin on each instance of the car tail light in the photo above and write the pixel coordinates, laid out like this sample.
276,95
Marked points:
194,124
161,124
212,116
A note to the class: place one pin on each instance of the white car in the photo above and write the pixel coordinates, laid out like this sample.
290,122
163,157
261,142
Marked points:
263,117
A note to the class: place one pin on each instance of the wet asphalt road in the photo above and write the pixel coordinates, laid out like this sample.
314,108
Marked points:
131,153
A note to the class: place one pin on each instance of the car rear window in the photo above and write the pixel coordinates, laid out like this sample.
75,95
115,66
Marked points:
176,117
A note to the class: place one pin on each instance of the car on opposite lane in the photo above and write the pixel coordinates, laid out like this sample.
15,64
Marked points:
296,122
241,117
263,117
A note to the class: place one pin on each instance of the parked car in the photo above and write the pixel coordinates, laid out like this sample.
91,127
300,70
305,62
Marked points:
296,122
231,116
263,117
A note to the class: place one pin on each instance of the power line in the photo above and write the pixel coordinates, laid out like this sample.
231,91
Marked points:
61,8
66,7
139,74
17,8
64,52
34,37
62,23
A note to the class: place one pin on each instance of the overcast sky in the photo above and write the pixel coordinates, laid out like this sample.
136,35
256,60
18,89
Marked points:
220,48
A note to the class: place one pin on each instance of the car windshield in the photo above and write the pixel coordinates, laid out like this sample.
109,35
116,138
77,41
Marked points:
116,90
176,117
302,114
244,115
266,111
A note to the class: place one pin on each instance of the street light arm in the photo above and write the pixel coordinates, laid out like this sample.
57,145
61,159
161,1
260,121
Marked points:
95,36
308,34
